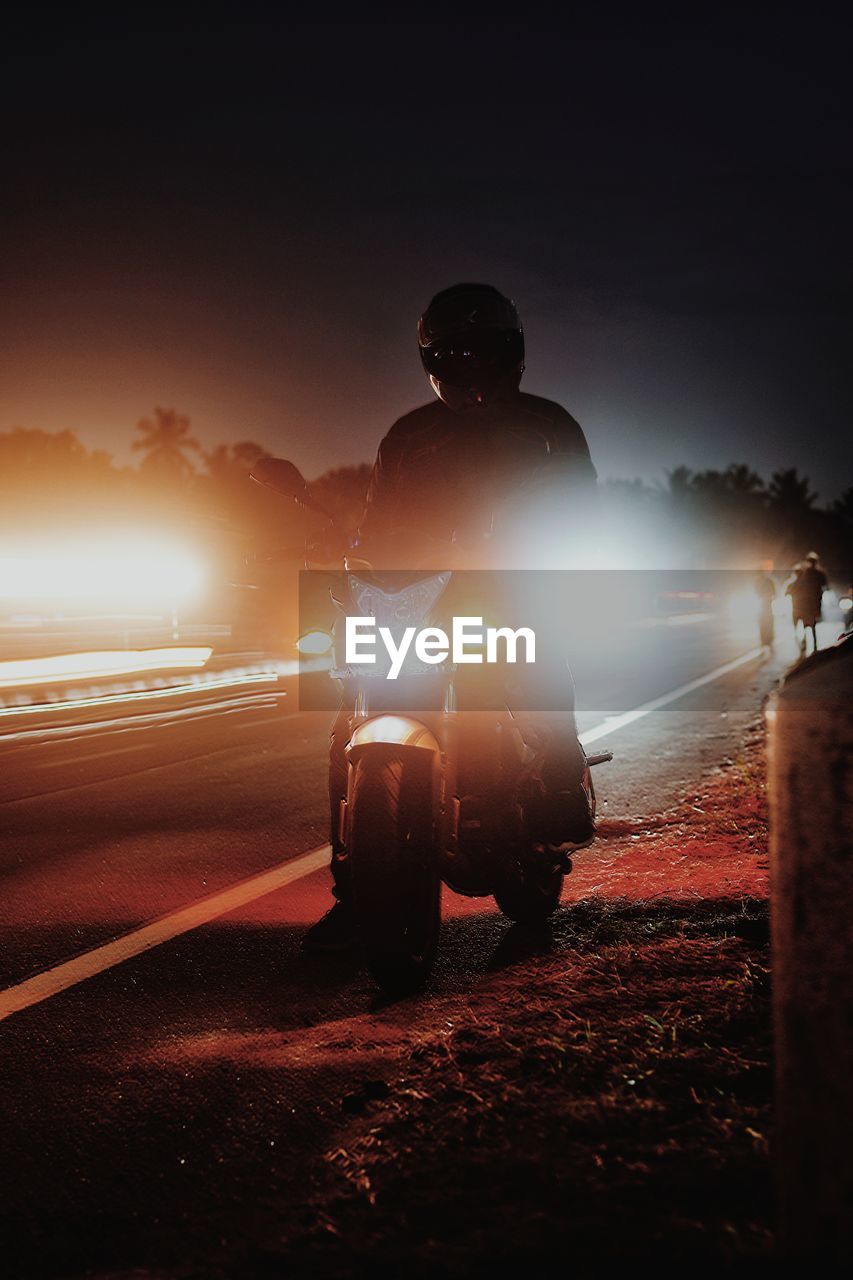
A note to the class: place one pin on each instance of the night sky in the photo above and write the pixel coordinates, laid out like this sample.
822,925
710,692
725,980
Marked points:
240,214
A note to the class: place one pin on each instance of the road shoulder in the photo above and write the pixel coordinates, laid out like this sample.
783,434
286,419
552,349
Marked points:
613,1073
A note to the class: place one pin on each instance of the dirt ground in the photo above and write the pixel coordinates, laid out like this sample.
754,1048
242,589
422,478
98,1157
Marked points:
601,1098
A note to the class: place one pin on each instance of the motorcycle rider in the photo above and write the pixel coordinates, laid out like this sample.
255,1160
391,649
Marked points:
442,471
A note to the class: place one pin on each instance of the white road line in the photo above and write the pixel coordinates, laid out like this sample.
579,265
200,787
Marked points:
71,972
611,723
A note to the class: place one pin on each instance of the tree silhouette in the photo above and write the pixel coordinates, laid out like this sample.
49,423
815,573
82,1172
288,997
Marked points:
679,482
738,480
55,468
165,442
790,493
229,463
742,480
44,454
343,491
226,492
843,506
728,515
711,485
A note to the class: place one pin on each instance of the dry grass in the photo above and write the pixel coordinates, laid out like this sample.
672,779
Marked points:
603,1101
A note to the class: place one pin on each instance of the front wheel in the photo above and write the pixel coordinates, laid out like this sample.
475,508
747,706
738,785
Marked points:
395,882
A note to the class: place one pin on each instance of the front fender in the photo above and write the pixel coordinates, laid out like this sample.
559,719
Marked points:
392,737
391,731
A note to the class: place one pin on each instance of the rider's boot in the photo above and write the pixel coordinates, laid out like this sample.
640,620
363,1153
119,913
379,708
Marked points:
564,818
562,815
336,930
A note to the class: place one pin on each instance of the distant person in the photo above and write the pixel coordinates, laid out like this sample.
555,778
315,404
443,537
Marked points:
765,590
806,590
791,592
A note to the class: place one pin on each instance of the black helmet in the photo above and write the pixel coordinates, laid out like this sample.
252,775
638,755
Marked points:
472,345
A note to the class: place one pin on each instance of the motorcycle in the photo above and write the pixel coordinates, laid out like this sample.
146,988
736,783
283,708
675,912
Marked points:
435,792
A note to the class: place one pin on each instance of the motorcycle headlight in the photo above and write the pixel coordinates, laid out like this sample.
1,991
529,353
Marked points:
404,608
314,643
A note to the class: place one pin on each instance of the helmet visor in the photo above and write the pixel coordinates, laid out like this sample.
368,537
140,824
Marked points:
474,359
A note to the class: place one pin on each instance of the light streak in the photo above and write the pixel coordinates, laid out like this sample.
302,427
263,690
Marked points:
118,699
64,667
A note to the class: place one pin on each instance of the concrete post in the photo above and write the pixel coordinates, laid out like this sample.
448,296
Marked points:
810,786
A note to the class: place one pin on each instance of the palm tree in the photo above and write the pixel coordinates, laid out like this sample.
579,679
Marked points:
165,443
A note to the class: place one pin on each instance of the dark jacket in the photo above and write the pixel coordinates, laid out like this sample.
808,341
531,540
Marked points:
447,473
807,591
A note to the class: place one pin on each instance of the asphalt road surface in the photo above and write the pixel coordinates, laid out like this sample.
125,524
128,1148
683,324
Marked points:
169,1059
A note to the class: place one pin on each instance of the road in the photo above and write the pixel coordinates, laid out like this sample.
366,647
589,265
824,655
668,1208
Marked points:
157,1107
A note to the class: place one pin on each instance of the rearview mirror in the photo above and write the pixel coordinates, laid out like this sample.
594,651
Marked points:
281,476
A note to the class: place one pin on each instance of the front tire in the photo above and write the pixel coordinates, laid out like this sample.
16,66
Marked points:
395,882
